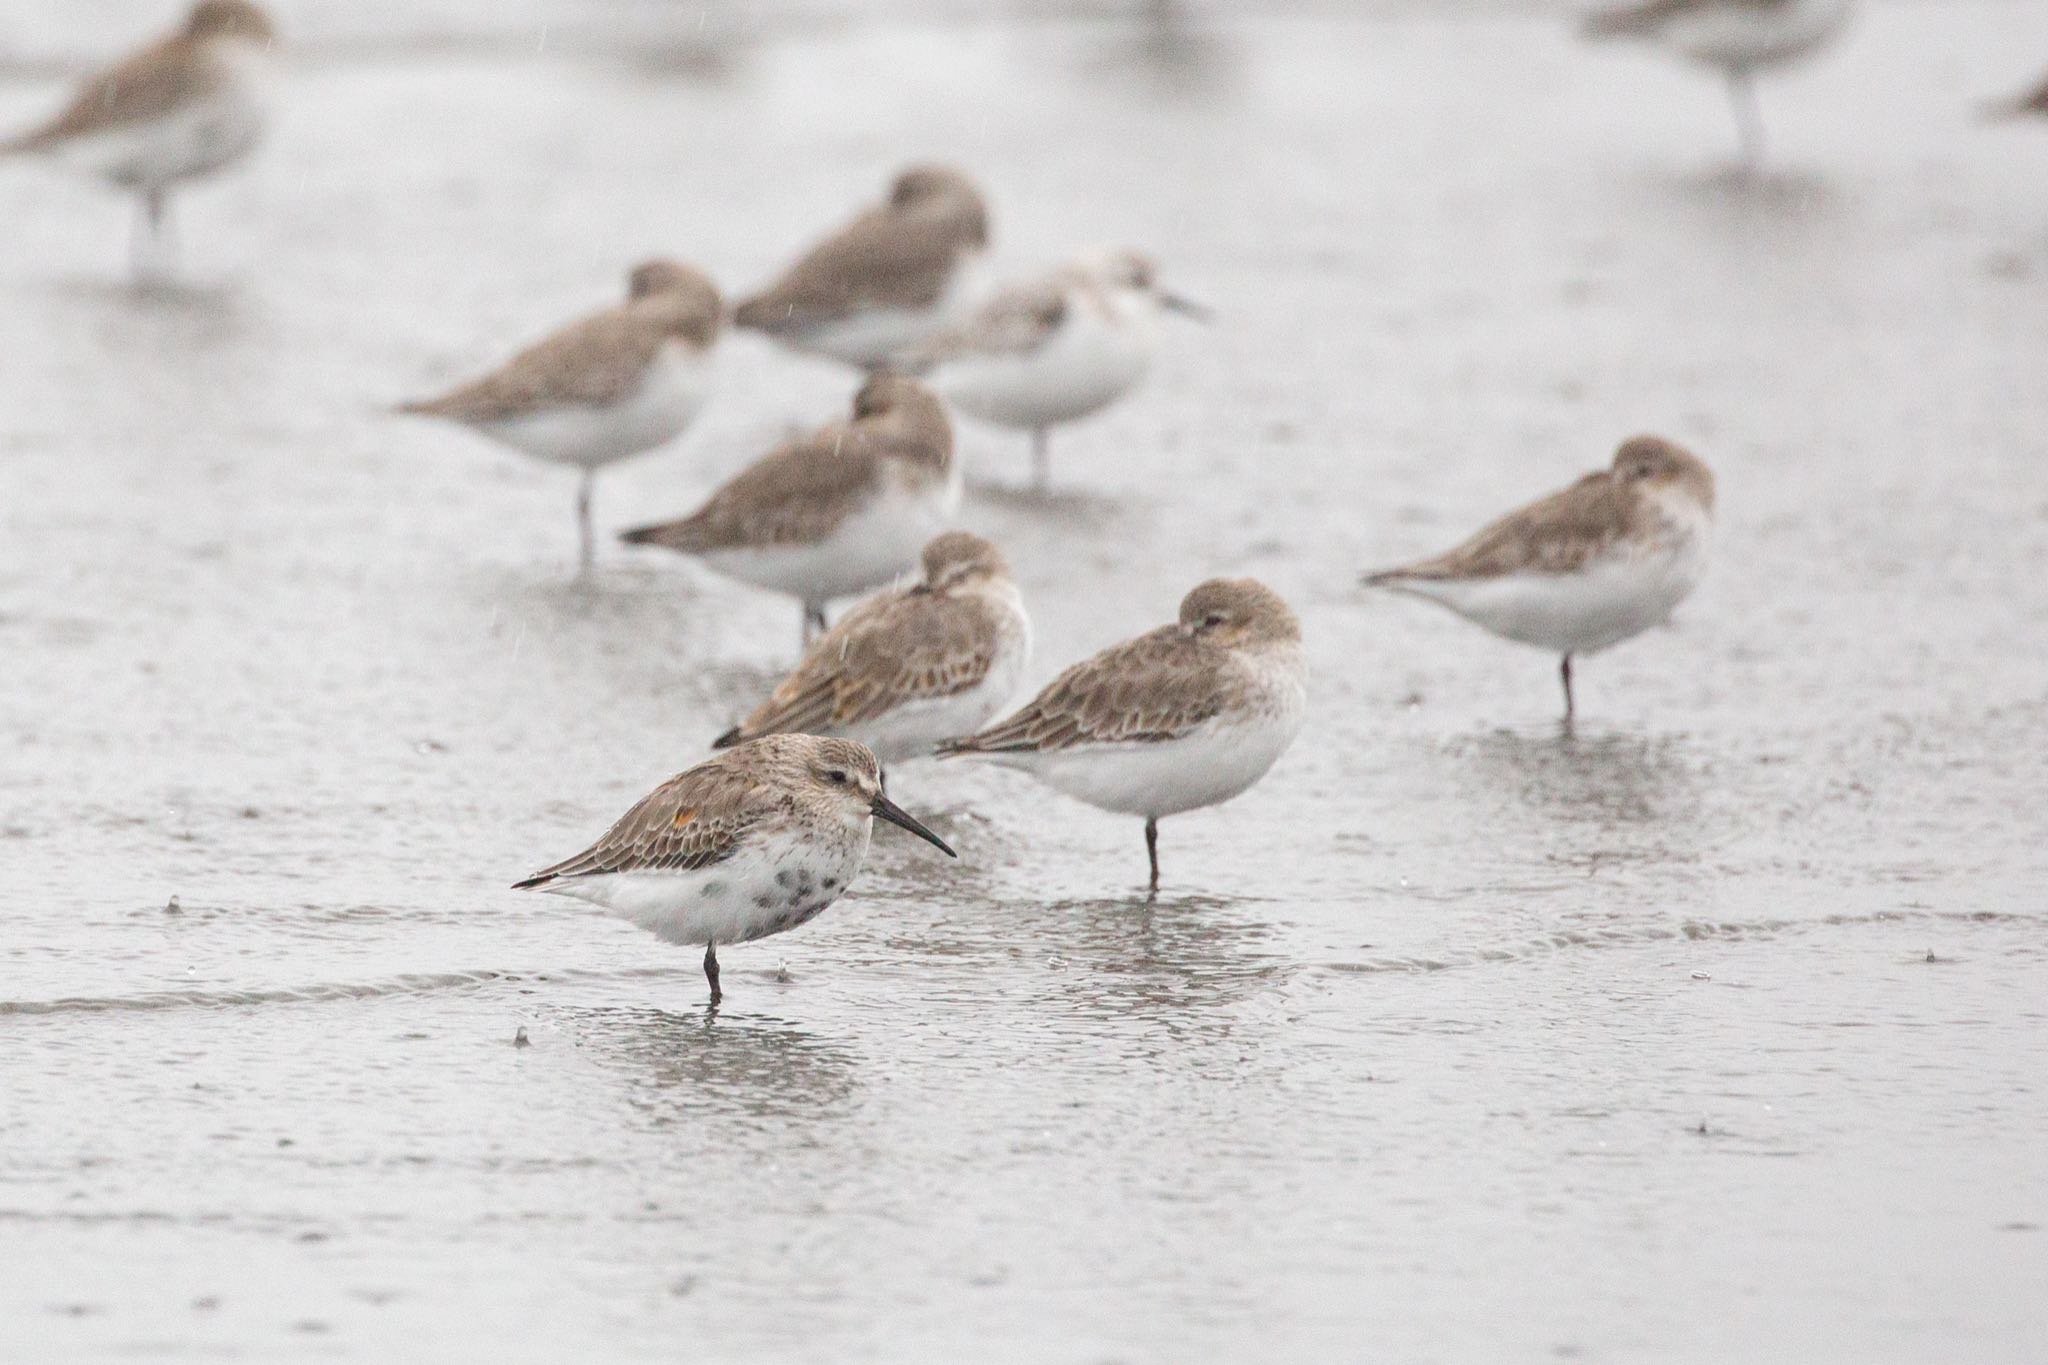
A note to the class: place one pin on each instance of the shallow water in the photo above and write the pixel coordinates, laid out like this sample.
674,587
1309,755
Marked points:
1713,1031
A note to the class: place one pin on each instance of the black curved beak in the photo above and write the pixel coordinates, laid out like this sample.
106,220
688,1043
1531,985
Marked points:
1187,307
888,810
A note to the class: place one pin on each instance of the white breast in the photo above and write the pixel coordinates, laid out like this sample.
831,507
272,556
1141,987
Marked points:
1098,353
200,137
678,383
772,884
878,544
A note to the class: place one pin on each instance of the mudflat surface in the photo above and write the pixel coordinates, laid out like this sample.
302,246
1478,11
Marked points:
1713,1031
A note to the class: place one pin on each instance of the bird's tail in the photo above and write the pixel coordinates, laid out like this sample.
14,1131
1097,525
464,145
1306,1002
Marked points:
728,739
670,535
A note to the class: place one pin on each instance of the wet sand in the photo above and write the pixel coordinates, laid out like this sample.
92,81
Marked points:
1713,1031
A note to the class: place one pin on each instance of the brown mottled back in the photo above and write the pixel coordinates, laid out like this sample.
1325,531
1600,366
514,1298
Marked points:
1157,687
1572,527
597,361
935,639
899,254
799,492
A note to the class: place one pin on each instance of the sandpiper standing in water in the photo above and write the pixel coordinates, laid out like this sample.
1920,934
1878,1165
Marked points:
1587,567
895,275
612,385
1055,350
753,842
840,511
1186,716
1741,37
910,666
187,106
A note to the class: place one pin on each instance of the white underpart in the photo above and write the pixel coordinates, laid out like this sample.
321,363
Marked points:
1098,353
869,337
913,729
196,139
1751,36
737,900
877,544
1612,599
1205,767
677,385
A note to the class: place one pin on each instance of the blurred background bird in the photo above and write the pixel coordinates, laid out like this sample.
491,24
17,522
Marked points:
191,104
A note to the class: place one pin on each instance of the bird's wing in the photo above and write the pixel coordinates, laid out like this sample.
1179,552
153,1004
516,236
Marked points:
597,361
794,495
1557,534
1156,687
879,260
158,80
899,647
693,820
1015,321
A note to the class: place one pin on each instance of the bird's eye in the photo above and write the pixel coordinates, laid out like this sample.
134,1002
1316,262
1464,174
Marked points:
837,777
1213,619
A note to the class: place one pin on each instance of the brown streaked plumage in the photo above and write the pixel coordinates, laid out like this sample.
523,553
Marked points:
1572,527
874,482
596,360
901,254
1585,568
1186,716
955,642
1157,687
750,843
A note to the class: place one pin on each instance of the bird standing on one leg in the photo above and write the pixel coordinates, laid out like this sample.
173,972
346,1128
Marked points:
1585,568
613,385
840,511
1186,716
753,842
1740,37
195,103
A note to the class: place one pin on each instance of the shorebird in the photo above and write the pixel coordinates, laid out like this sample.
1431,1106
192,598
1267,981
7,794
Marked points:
184,107
898,273
840,511
1741,37
910,666
1186,716
612,385
1587,567
753,842
1054,350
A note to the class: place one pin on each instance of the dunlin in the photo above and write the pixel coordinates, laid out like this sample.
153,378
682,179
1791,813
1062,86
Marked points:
1054,350
1741,37
614,384
753,842
840,511
191,104
886,281
911,666
1186,716
1586,567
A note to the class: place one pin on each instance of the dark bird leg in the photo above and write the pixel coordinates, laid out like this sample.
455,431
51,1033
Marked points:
1749,118
1152,849
146,253
814,621
711,970
586,545
1041,460
1564,671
